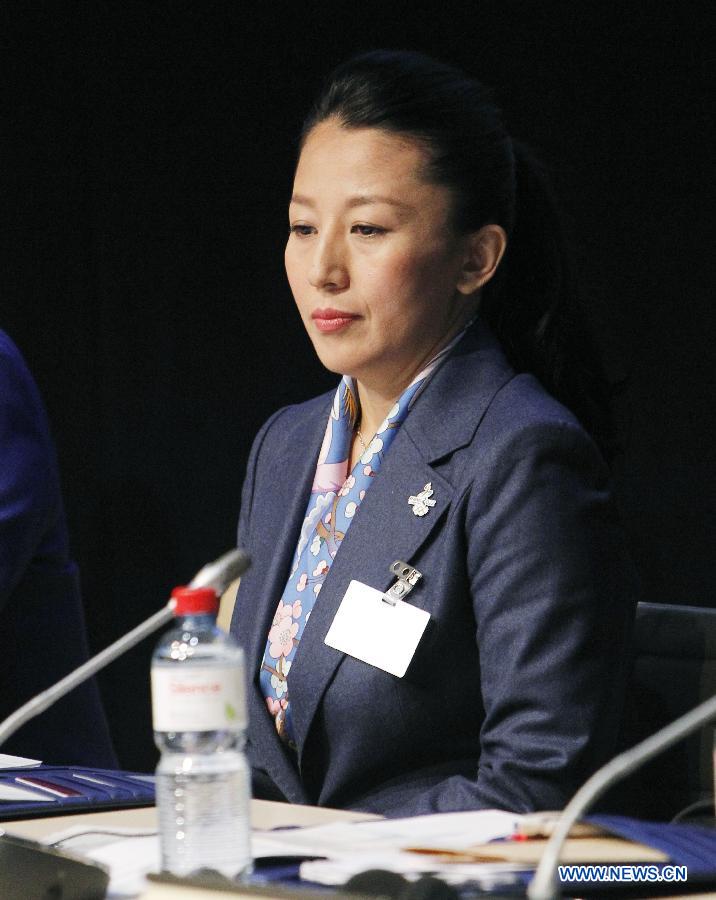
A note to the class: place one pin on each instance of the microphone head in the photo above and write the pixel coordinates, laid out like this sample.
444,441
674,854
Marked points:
375,883
220,573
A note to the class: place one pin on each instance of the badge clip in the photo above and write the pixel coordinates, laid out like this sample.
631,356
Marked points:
408,577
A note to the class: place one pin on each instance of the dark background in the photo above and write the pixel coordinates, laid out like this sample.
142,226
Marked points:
148,153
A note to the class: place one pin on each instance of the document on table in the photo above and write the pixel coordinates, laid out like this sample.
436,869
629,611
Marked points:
412,847
17,762
451,831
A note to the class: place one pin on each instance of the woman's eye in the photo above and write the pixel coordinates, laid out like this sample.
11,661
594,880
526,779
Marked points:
300,229
367,230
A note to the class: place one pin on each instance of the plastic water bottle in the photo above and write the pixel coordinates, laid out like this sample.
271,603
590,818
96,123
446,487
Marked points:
199,713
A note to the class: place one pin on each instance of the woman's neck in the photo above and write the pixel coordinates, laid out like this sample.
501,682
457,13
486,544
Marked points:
378,396
374,407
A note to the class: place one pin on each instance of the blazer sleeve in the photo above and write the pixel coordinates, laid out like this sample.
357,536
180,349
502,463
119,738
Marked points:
29,486
243,532
553,594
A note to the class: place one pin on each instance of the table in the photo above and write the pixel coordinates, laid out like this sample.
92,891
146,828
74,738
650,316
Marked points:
265,814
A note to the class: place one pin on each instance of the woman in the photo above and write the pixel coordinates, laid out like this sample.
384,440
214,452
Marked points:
413,262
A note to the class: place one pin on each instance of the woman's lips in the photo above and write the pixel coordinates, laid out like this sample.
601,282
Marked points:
331,320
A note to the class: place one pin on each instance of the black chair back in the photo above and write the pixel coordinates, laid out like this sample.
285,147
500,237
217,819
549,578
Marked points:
674,670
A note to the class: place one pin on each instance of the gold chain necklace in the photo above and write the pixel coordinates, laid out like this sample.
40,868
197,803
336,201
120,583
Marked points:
360,438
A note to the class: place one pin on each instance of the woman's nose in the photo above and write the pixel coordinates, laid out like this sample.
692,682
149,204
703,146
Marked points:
328,269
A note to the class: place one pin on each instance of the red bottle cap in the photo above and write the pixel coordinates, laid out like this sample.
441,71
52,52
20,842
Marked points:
195,601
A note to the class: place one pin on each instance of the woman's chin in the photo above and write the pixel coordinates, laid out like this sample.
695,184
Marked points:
340,363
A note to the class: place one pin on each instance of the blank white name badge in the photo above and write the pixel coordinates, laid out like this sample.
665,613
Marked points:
375,631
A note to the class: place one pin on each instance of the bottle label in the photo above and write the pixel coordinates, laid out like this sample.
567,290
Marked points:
198,698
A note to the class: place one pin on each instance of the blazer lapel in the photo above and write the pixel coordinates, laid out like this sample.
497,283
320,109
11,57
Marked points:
295,463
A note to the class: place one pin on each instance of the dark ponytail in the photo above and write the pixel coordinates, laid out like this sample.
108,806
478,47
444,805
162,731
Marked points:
532,302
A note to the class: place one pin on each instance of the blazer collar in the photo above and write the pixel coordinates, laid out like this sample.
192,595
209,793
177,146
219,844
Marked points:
455,400
277,518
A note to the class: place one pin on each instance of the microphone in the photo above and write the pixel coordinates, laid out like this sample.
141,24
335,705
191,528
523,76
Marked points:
544,884
220,573
217,575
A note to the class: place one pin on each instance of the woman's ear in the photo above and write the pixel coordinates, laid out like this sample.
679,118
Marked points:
483,252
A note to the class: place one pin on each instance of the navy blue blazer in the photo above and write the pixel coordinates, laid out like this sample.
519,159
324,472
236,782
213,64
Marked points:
41,618
515,693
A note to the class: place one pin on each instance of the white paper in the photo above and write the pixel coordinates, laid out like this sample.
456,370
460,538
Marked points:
17,762
12,793
354,847
454,831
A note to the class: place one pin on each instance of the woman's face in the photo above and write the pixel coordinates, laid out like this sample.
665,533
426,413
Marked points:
372,260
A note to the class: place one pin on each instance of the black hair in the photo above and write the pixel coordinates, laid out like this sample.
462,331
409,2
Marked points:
531,303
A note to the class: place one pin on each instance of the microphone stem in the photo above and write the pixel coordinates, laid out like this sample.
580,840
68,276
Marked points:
45,699
544,884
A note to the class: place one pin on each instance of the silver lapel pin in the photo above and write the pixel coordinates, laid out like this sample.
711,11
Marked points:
421,503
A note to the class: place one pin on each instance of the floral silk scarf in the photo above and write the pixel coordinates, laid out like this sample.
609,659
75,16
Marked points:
334,500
